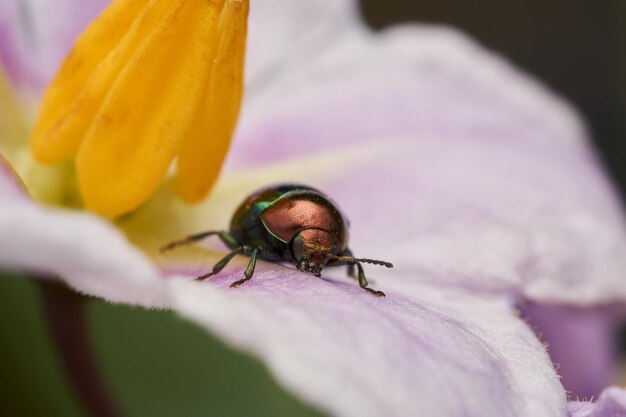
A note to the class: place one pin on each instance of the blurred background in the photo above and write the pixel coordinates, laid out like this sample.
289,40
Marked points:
158,365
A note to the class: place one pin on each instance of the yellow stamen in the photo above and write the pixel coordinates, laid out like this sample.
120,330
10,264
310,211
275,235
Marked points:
218,112
147,80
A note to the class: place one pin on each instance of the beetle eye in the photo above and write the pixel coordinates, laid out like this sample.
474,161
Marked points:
297,248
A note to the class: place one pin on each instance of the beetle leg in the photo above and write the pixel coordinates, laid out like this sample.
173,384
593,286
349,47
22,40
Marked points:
222,263
352,271
249,270
228,239
363,282
351,267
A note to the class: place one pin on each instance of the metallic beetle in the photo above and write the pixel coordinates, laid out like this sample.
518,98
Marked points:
288,223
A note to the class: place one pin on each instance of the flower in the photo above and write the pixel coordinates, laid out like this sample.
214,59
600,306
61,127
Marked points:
469,176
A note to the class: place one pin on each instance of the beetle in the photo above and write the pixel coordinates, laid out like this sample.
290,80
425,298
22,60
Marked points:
288,223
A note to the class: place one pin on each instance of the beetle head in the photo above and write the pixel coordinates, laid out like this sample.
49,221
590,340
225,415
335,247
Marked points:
311,249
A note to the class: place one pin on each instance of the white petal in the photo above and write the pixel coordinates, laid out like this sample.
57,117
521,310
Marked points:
83,250
282,32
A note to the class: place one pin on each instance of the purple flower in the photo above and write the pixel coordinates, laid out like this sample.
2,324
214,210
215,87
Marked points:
474,180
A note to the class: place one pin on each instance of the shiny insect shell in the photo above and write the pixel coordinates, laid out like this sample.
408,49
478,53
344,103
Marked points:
288,223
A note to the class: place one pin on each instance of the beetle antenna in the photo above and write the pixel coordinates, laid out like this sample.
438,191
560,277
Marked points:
350,260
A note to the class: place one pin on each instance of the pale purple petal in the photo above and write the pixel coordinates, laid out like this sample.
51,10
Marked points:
447,216
352,354
479,214
581,342
493,180
611,403
479,177
417,80
35,36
